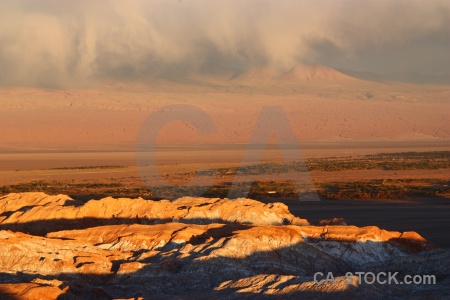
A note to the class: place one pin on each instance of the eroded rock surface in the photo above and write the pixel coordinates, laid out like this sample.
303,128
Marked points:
38,213
197,248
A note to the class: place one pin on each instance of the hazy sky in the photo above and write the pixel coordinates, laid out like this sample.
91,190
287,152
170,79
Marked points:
65,42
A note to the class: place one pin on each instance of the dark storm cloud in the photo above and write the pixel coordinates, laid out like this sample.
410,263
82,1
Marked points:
60,43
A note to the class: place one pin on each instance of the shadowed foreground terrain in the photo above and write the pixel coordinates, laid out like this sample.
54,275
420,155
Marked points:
61,248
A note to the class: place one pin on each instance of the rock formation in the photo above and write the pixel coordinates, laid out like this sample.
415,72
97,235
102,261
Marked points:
56,247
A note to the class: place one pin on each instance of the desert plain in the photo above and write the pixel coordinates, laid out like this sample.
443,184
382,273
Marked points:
226,149
82,214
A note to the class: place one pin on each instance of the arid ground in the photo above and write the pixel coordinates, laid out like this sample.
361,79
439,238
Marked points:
406,191
84,214
224,149
104,231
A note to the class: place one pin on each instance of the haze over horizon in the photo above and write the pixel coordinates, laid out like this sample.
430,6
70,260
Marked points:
70,44
85,75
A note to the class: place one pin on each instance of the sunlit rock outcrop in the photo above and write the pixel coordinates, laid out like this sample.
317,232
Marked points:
195,247
33,212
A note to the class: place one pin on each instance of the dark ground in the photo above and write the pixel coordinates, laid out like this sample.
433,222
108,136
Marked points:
428,217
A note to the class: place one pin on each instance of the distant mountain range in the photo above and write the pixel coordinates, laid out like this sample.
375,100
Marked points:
300,73
410,77
308,73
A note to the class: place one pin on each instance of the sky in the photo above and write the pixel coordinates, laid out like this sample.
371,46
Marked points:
71,43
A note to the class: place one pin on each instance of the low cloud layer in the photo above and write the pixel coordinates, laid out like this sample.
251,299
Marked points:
69,43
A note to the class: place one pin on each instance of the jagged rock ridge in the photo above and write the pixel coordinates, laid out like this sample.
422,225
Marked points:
238,249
